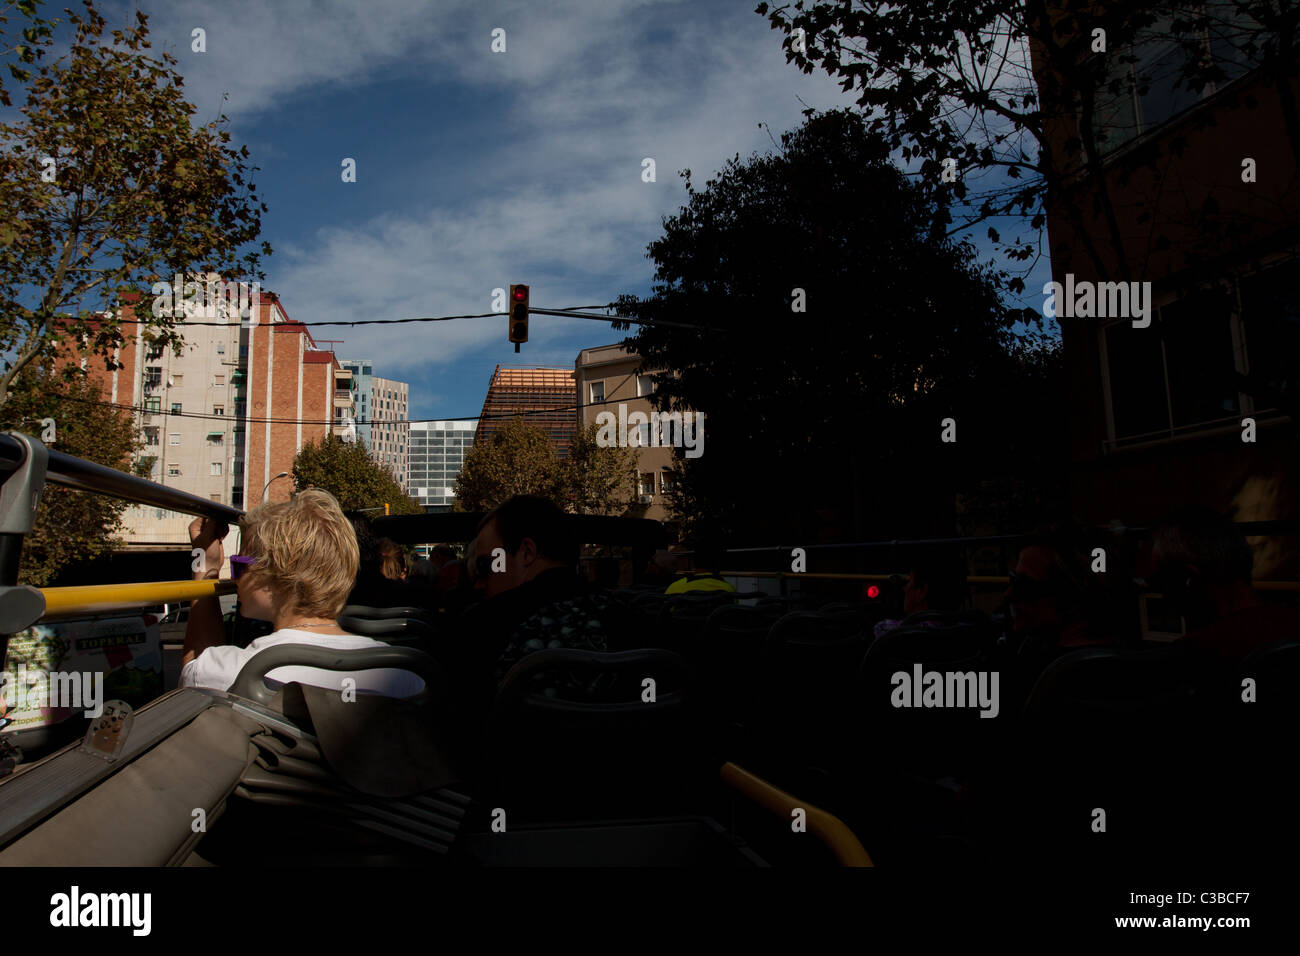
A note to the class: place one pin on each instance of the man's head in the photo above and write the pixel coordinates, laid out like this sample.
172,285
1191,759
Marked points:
535,536
1202,562
937,582
1049,590
305,558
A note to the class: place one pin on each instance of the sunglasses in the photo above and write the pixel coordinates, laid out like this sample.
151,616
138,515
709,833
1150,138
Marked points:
239,564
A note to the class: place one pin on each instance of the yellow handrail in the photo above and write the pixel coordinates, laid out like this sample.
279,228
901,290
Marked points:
99,598
970,578
827,827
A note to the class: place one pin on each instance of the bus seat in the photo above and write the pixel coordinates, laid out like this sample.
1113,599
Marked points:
249,683
575,731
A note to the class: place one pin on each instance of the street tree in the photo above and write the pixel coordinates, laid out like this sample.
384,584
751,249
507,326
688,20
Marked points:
71,417
105,185
826,326
346,470
518,459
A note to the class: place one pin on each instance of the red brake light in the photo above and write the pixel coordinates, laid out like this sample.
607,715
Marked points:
873,592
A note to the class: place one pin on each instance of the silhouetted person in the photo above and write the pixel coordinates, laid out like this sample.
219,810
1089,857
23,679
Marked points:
373,587
937,582
524,563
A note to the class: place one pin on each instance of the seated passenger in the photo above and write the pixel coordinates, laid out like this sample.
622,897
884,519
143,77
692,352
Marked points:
378,583
1204,565
937,582
534,599
304,560
707,556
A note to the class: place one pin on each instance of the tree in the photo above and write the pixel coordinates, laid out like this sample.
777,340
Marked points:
104,186
951,81
28,51
346,470
70,525
517,460
834,328
599,481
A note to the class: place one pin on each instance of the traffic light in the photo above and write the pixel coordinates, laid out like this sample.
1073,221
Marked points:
518,314
385,507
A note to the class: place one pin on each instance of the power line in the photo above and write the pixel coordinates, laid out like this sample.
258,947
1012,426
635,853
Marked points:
136,409
562,313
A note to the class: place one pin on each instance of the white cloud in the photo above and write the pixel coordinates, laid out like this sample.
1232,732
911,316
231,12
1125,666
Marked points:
594,86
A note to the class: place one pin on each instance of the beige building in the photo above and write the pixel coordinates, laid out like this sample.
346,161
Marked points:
240,360
605,378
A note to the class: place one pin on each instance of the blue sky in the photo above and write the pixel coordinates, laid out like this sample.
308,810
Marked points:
477,169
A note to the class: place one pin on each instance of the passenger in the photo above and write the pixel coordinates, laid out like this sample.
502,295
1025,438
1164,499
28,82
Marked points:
374,586
707,561
304,560
937,582
392,560
1204,564
533,600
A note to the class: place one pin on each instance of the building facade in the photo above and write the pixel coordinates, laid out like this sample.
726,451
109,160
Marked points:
605,378
437,451
297,393
1189,403
540,396
200,413
383,418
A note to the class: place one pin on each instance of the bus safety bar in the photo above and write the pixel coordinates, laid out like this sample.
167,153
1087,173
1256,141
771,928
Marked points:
104,598
71,472
987,579
826,827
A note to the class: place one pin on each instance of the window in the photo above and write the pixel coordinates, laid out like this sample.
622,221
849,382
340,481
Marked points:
154,352
152,376
219,380
1138,96
176,408
177,379
669,480
243,351
1270,310
645,385
216,468
173,470
151,436
647,483
597,392
216,438
218,409
173,439
153,404
1178,373
221,348
215,497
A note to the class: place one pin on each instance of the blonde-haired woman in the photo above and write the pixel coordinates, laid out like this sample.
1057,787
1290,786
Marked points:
299,564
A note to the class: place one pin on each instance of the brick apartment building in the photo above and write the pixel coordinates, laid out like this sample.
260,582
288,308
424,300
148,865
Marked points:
194,410
1157,412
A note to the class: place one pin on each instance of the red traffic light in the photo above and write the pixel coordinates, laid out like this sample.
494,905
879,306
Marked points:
873,591
520,293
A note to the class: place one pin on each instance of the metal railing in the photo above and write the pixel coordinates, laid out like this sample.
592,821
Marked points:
26,466
70,472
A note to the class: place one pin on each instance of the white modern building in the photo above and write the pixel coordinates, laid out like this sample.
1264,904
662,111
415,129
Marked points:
436,453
